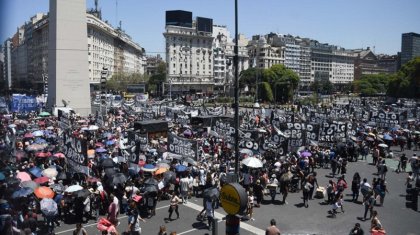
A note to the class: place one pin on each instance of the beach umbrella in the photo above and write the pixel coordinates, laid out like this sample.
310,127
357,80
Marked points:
23,176
73,188
161,170
44,114
44,192
42,180
29,184
252,162
84,193
149,168
59,155
23,192
383,145
107,163
181,168
211,193
35,171
50,172
48,207
118,178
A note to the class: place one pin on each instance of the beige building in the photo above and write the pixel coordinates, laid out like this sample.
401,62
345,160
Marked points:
107,47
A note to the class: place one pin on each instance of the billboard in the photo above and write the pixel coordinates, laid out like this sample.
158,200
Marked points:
179,18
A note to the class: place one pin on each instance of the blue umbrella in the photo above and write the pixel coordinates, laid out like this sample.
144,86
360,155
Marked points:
149,168
388,137
110,142
101,150
181,168
23,192
35,171
40,141
38,133
48,207
2,176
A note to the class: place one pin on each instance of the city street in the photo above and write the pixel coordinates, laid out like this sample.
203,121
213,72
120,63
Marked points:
293,218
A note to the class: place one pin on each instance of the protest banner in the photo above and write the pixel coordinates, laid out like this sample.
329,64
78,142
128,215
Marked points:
182,146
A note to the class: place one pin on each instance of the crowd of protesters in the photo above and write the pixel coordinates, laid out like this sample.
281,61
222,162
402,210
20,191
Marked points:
34,168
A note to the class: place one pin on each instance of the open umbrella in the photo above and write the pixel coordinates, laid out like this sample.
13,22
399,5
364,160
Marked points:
388,137
36,147
58,188
23,192
42,180
42,154
28,135
370,139
100,150
169,176
12,181
48,207
134,169
211,193
110,172
306,154
50,172
151,181
118,178
2,176
38,133
44,114
61,176
44,192
92,180
161,170
35,171
383,145
402,138
84,193
23,176
59,155
246,151
73,188
29,184
107,163
163,165
151,189
190,161
93,128
181,168
252,162
149,168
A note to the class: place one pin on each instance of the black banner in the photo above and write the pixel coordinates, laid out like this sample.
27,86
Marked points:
333,131
148,115
224,127
182,118
384,119
63,119
75,150
182,146
249,139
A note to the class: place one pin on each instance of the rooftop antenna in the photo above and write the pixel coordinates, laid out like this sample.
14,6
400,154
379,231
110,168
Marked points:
96,5
116,11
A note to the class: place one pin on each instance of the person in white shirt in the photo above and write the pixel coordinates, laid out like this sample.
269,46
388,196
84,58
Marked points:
365,187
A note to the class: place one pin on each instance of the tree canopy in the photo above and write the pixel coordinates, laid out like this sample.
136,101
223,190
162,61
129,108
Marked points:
406,82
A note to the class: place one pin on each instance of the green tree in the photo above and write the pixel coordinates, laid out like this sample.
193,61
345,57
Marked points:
265,93
157,80
372,84
283,80
406,82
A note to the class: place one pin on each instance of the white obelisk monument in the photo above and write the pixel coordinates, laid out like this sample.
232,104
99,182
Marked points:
68,80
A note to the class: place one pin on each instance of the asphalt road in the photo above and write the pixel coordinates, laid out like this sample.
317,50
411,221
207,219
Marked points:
293,218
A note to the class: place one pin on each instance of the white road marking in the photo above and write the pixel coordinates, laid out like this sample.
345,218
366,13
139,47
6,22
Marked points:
250,228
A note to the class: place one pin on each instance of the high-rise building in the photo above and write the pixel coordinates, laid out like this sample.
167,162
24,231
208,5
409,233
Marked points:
410,46
7,62
107,47
189,53
365,63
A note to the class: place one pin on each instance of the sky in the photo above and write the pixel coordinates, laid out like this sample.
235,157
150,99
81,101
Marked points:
351,24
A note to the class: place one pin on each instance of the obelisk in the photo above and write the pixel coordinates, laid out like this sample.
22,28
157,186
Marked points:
68,81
